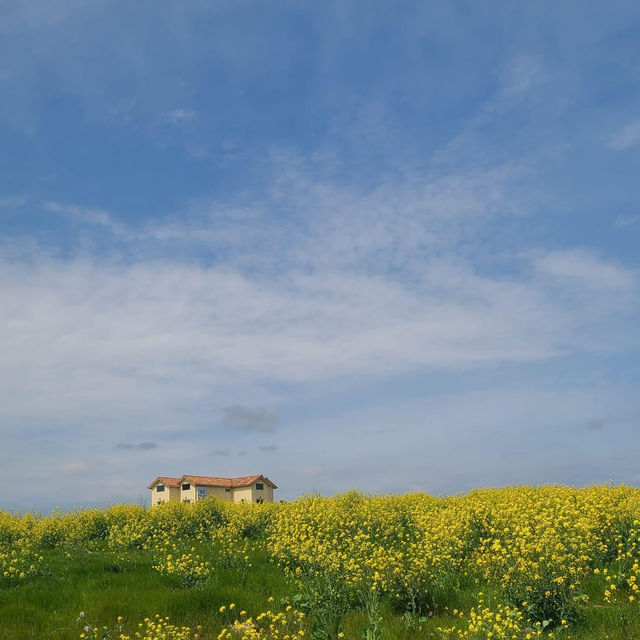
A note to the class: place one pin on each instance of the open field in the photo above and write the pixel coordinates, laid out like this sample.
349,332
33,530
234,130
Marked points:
505,563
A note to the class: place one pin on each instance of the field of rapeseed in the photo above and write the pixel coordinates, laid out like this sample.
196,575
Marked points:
523,562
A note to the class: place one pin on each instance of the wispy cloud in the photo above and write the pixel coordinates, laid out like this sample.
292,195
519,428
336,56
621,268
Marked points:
243,418
225,451
87,215
179,115
596,424
74,468
583,267
12,201
627,137
389,281
143,446
626,221
521,76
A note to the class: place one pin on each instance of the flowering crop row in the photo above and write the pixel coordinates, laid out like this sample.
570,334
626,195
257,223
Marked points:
538,552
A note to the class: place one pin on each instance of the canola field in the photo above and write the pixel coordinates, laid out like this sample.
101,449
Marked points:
519,563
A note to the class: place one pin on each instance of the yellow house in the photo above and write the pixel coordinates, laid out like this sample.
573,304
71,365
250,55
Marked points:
257,488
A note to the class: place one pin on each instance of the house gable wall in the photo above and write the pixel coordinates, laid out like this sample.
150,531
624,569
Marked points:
170,494
243,494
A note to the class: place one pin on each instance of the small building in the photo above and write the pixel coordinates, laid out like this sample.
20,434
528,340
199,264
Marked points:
257,488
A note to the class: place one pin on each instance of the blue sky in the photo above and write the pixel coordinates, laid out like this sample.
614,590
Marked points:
383,245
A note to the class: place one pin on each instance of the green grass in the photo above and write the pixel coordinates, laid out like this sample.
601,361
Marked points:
47,606
105,586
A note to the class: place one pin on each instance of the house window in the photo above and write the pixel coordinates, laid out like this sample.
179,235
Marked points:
186,487
259,486
202,493
228,490
186,500
160,488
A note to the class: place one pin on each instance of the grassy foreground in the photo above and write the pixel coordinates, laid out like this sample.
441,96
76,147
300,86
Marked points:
513,563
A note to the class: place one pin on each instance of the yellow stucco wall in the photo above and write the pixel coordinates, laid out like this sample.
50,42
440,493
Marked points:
243,494
170,494
251,494
266,494
188,495
216,492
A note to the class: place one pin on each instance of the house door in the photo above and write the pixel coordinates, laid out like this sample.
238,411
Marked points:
202,493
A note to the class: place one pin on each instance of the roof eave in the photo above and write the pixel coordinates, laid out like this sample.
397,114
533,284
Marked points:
269,482
154,483
161,480
194,480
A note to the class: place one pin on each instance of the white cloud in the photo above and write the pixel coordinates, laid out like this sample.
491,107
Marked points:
179,115
626,137
521,76
578,266
398,286
517,80
87,215
12,201
74,468
314,282
626,221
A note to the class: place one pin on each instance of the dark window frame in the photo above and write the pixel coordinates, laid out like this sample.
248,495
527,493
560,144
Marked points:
259,486
186,486
159,488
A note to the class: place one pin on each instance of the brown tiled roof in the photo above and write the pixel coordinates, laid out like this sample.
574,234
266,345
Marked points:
166,481
212,481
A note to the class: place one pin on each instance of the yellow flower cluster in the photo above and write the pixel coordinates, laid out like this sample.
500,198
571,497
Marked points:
74,528
160,629
537,544
18,561
537,550
622,581
157,628
188,566
540,544
407,547
285,625
358,538
133,527
501,623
